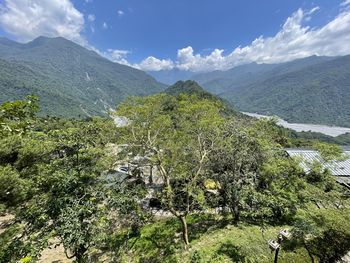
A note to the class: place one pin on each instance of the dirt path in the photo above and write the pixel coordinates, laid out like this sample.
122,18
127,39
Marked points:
4,220
54,255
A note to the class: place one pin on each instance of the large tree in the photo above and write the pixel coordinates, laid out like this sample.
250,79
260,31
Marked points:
51,174
176,135
252,173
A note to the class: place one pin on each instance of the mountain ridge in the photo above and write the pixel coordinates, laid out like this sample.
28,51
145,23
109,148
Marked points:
87,83
311,90
315,94
222,81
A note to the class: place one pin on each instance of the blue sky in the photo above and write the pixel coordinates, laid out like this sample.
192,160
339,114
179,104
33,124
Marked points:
195,35
159,28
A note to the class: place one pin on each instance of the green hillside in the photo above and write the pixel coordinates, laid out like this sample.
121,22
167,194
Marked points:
316,94
309,90
225,81
69,79
203,187
191,87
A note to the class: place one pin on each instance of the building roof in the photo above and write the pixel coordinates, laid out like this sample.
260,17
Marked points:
337,168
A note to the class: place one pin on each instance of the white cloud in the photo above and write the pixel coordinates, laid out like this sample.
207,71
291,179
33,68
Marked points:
294,40
308,14
118,55
120,13
154,64
345,3
313,10
91,17
186,60
28,19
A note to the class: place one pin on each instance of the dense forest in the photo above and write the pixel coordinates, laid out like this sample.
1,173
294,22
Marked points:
70,80
308,90
201,185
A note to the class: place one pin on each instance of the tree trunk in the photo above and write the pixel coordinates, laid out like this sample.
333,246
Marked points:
184,231
80,254
150,180
309,252
236,214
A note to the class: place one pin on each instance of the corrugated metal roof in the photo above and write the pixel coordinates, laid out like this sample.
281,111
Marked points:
339,168
344,180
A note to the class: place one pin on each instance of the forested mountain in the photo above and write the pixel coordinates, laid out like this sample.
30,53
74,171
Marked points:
189,87
224,81
69,79
318,93
310,90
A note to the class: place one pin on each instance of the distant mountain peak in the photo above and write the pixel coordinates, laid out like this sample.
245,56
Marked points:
70,80
188,83
188,86
8,42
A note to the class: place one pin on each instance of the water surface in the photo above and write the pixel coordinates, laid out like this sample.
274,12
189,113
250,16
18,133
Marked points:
299,127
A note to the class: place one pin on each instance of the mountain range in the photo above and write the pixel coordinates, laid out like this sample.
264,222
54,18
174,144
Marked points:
226,81
309,90
73,81
70,80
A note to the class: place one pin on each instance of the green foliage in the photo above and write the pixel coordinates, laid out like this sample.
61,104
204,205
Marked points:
309,90
190,87
318,174
13,189
70,80
9,243
175,134
51,179
308,139
324,233
315,94
255,179
329,152
245,244
16,116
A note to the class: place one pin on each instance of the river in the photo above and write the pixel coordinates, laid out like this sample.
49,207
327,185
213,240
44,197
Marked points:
325,129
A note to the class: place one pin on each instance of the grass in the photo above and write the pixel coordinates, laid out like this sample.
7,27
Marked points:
212,240
245,243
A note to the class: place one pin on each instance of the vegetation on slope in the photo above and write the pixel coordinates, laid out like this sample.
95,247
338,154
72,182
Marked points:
309,90
219,82
70,80
190,87
220,174
300,139
316,94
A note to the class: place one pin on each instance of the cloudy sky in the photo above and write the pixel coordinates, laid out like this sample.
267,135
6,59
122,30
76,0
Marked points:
194,35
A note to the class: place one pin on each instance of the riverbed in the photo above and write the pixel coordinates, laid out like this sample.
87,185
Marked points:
325,129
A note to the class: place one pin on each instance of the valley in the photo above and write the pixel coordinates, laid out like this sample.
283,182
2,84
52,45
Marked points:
304,127
174,131
311,90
